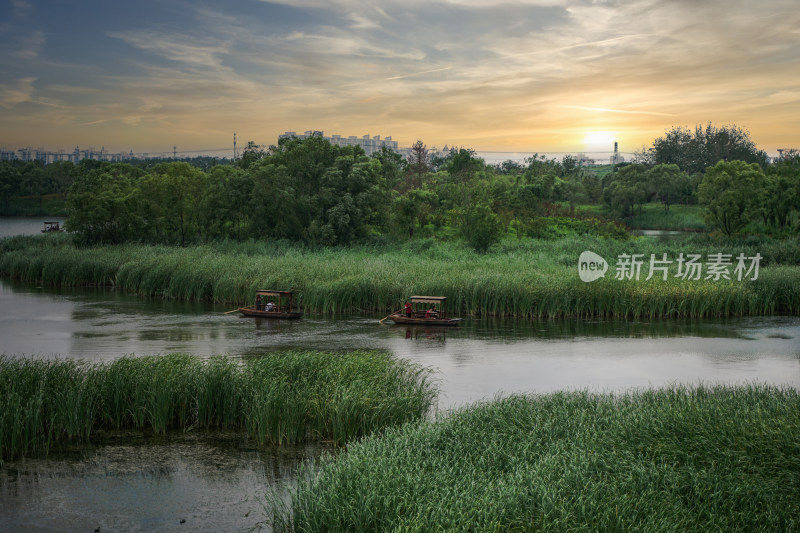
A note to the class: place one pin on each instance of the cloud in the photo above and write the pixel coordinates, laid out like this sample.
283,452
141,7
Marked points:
29,45
623,111
176,47
14,94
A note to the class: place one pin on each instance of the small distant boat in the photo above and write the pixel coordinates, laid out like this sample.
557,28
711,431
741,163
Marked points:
272,304
52,226
432,314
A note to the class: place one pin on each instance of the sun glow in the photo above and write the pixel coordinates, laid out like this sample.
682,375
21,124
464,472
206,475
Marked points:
599,141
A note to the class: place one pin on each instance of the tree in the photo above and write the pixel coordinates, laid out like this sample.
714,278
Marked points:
105,205
392,165
782,192
251,153
171,193
668,182
626,188
695,151
731,193
481,227
417,164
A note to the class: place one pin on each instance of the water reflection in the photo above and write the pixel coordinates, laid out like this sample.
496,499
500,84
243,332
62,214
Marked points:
429,333
215,482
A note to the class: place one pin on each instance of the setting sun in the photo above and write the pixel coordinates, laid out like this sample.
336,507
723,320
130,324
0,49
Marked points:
599,141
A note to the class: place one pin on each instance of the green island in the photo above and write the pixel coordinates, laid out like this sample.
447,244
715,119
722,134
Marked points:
352,234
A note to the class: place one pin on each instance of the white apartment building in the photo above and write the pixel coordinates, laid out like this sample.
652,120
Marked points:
369,144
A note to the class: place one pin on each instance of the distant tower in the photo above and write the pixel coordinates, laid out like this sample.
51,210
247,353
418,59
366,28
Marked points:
174,152
235,155
616,158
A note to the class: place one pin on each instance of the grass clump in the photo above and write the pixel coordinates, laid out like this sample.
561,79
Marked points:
675,459
280,398
527,278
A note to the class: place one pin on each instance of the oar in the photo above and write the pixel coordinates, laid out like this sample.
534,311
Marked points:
229,312
387,316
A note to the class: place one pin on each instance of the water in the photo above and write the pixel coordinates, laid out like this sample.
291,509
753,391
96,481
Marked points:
474,361
217,482
10,226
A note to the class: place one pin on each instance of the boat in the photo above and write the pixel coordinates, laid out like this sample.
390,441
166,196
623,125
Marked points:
281,305
422,317
52,226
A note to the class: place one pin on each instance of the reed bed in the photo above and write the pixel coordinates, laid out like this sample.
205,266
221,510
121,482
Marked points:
281,398
675,459
537,279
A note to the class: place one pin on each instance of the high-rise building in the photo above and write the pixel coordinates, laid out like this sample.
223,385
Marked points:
369,144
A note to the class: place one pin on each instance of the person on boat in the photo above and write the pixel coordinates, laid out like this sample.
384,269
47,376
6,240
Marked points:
408,309
431,313
269,307
258,302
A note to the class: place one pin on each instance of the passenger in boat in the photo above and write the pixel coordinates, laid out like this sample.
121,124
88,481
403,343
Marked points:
258,303
431,313
408,309
269,307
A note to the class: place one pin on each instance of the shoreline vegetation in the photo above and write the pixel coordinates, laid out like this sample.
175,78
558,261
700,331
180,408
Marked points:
526,278
282,398
676,459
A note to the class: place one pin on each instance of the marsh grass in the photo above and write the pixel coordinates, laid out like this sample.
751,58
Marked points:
537,279
280,398
676,459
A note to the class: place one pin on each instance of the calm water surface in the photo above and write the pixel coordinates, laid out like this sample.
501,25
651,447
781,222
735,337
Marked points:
10,226
217,482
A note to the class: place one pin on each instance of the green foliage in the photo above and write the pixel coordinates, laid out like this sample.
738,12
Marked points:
781,197
105,205
525,278
696,151
481,228
280,398
684,458
669,183
627,187
731,194
679,217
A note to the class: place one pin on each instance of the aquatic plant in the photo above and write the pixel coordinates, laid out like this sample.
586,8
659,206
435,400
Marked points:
676,459
537,279
280,398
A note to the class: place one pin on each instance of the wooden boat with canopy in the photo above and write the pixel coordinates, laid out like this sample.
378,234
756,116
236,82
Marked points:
272,304
52,226
426,311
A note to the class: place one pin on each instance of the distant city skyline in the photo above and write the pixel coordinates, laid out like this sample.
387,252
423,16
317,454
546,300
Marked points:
557,76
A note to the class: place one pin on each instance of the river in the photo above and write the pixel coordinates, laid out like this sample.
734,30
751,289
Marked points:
216,482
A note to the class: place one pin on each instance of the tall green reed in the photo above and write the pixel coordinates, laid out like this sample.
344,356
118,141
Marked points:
280,398
683,458
536,279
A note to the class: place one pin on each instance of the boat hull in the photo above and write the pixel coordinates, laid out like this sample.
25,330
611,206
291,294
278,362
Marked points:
247,311
403,319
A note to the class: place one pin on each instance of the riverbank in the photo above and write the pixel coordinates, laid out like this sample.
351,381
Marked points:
688,459
526,278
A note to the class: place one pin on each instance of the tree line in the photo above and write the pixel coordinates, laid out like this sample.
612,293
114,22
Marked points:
310,191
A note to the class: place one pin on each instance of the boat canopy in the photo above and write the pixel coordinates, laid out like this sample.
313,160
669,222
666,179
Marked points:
428,299
266,292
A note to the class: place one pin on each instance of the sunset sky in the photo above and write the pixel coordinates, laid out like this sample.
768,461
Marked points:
516,75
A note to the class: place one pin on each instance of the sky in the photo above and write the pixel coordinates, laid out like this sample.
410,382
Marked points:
508,75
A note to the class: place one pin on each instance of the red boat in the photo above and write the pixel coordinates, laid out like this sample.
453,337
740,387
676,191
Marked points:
432,314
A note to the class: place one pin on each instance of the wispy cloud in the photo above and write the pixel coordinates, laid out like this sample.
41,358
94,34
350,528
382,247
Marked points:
499,74
622,111
17,93
413,74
